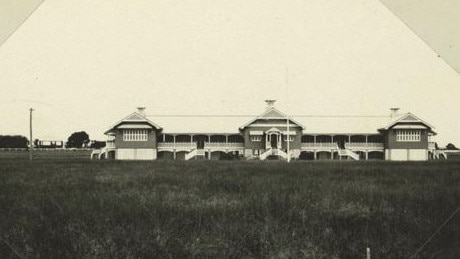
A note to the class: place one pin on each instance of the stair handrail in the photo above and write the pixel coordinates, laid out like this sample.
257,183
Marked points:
347,152
265,154
352,154
191,154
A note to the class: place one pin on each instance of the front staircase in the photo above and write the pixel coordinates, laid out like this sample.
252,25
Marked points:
273,152
343,152
266,154
195,153
99,153
439,154
280,153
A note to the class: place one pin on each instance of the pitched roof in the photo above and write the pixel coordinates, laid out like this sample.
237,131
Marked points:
229,125
314,124
133,118
272,113
199,124
407,118
343,124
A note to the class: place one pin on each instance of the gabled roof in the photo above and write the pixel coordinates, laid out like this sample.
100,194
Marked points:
133,118
336,125
272,113
273,130
316,125
408,119
227,125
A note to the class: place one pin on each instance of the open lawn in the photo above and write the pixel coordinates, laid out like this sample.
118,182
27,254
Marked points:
47,154
228,209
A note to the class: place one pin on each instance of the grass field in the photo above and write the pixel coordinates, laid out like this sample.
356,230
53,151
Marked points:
228,209
50,154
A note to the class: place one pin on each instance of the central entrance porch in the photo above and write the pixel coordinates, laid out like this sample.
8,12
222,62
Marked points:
273,139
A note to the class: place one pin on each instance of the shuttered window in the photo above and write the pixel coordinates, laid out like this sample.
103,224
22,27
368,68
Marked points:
291,138
135,135
408,135
256,138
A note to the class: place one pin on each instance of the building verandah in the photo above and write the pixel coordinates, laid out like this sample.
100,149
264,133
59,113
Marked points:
271,134
206,145
328,146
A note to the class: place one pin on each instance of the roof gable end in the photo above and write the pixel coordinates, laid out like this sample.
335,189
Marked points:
407,119
133,117
410,118
271,113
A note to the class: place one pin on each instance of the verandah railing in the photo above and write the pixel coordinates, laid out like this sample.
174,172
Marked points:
352,145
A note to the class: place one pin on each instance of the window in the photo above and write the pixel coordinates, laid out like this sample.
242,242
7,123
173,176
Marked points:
408,135
291,138
135,135
256,138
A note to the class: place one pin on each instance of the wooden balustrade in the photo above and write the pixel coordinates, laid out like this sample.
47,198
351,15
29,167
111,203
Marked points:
352,145
364,145
189,145
211,145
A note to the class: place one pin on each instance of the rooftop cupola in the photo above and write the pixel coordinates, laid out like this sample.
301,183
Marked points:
270,104
141,111
394,112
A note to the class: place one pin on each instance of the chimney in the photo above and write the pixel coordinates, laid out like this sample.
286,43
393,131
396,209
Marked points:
394,112
141,111
270,104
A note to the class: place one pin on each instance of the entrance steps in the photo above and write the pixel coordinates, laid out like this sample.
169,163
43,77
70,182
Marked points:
348,153
272,153
197,153
266,154
440,154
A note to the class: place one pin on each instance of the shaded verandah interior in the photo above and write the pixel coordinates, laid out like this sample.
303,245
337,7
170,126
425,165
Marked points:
213,146
326,146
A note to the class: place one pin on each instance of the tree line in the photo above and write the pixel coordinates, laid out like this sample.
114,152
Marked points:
15,141
75,140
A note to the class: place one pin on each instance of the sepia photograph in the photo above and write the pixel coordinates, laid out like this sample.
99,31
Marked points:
229,129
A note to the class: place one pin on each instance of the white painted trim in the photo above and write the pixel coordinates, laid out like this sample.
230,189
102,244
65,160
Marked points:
401,120
272,125
410,127
283,116
256,132
143,119
412,135
134,126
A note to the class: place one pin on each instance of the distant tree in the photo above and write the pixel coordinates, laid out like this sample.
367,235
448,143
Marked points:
451,146
13,141
97,144
78,140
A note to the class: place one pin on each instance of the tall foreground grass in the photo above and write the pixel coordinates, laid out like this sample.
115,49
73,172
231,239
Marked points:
216,209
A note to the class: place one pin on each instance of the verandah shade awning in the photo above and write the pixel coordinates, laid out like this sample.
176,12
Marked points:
134,126
256,132
409,127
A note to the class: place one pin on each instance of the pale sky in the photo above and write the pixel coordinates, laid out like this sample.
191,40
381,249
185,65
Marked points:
83,65
436,22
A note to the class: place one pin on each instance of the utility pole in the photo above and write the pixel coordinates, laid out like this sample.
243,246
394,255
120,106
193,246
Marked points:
31,142
287,117
287,142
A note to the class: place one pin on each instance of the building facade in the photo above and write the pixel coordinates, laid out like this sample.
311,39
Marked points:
271,135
